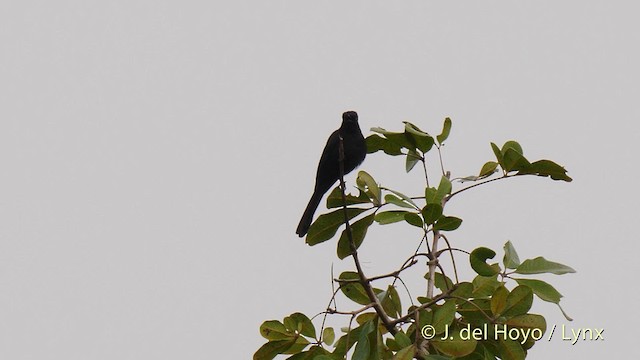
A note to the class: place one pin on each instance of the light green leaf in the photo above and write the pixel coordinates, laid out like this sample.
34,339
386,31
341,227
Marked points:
392,199
366,183
376,143
488,169
334,200
542,289
541,265
511,259
446,129
390,217
328,335
412,159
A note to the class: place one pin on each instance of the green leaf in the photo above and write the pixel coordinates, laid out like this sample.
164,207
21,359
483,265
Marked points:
497,153
413,219
548,168
402,339
376,143
484,286
334,200
442,282
510,350
478,258
274,330
358,232
513,145
499,300
528,321
271,349
444,188
353,290
431,196
303,324
455,345
511,259
514,161
392,199
326,225
443,316
412,159
542,289
431,213
446,129
328,335
390,217
399,139
402,196
488,169
390,301
423,141
363,349
366,183
405,354
447,223
541,265
519,301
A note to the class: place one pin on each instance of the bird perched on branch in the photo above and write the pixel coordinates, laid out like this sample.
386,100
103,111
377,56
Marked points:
328,173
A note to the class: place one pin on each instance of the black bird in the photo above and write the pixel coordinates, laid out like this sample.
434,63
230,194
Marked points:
328,173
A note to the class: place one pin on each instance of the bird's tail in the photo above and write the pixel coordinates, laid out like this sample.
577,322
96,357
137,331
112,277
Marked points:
307,217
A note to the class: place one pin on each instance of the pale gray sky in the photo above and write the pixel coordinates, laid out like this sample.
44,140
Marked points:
156,157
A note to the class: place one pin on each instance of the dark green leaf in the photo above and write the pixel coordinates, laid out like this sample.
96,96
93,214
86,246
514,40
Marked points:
541,265
478,258
358,232
548,168
391,302
497,153
413,219
446,129
542,289
402,339
514,161
422,140
431,197
376,143
511,259
389,217
431,213
353,290
271,349
326,225
363,349
447,223
334,199
513,145
519,301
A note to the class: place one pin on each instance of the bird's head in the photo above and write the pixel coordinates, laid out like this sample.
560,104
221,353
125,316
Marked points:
350,117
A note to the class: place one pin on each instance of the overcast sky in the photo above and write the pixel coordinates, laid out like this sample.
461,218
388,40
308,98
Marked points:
156,157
